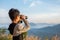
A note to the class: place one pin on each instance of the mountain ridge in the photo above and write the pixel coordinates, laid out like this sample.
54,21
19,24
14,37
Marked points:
42,32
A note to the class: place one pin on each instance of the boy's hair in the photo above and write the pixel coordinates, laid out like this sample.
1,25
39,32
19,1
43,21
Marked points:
13,13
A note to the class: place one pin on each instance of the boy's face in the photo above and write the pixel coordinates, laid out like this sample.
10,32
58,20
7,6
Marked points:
18,18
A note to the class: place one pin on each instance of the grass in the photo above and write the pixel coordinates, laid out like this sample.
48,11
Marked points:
9,37
4,36
32,37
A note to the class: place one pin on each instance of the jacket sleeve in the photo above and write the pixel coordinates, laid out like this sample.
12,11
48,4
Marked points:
22,29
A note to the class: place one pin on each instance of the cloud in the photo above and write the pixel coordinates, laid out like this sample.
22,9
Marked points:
54,8
3,13
35,3
50,14
4,18
45,18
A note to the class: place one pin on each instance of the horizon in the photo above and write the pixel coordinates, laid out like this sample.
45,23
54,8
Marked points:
38,11
32,25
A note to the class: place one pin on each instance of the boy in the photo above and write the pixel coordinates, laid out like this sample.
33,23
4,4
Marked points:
17,28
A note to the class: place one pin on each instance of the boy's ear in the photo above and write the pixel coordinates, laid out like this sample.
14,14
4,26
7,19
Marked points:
15,18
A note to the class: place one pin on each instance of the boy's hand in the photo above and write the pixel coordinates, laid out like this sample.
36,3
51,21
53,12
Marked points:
22,17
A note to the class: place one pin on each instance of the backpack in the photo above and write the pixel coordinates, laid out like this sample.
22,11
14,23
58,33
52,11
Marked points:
11,28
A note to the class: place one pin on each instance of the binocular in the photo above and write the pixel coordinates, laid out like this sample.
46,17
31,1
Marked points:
21,20
25,17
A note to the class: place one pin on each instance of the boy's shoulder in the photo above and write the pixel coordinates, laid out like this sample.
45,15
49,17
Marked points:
12,24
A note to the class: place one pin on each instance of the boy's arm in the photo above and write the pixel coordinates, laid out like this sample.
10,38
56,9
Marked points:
26,28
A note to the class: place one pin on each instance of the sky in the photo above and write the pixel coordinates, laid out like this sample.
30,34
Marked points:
38,11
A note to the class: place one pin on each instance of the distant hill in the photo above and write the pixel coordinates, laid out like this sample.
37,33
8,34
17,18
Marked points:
33,24
47,31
